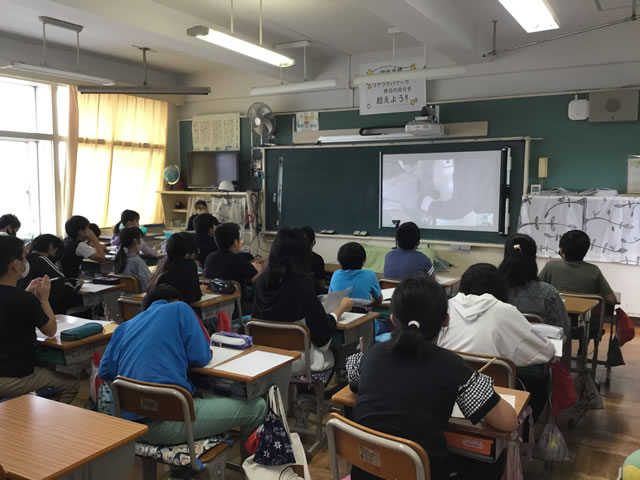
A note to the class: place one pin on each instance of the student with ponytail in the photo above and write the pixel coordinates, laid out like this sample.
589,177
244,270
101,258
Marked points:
407,387
131,218
128,259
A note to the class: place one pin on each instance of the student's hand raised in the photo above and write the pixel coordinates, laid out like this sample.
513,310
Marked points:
43,290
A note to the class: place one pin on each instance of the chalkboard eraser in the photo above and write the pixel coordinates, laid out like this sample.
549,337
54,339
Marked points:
357,232
328,232
363,233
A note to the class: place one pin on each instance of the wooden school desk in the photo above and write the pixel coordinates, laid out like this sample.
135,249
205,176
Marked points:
78,351
209,307
44,439
91,266
93,294
581,307
479,441
252,385
354,330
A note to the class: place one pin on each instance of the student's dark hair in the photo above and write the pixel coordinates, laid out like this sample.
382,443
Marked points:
408,236
126,216
127,237
290,254
519,265
11,248
309,233
9,219
95,229
419,299
74,225
178,245
575,244
352,256
161,292
226,234
42,242
203,222
484,278
200,204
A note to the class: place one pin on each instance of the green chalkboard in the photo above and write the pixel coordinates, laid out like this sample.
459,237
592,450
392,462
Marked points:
338,188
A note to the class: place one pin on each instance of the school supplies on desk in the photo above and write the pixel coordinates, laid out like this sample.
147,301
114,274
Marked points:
333,299
80,332
253,363
348,317
231,340
387,293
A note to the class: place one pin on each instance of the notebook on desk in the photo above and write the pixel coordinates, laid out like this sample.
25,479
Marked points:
348,317
253,364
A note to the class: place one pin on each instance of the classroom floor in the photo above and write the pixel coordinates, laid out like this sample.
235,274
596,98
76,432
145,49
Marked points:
598,445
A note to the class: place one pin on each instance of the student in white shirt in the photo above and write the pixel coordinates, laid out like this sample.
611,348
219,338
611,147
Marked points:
482,322
79,244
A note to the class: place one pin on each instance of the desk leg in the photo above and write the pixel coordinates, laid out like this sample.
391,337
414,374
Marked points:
111,310
112,465
585,340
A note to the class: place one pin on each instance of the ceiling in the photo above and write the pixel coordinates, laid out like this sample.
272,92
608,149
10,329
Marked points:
459,30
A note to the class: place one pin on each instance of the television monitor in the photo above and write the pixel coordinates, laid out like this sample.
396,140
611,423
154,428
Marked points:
205,170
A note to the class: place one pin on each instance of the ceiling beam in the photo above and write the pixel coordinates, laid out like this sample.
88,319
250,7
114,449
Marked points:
436,23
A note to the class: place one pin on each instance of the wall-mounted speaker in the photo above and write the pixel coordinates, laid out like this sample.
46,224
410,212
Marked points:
613,106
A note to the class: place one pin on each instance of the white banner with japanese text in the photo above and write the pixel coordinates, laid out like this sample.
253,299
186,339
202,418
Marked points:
392,96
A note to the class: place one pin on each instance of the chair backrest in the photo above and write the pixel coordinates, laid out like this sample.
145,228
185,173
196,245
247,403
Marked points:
534,318
388,283
129,308
128,283
502,370
284,335
158,402
382,455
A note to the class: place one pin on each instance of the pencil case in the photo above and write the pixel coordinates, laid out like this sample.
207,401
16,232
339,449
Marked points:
83,331
232,340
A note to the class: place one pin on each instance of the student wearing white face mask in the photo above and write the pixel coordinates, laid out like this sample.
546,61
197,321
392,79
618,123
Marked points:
21,312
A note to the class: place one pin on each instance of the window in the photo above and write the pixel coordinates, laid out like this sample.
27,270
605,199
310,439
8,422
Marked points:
121,154
27,145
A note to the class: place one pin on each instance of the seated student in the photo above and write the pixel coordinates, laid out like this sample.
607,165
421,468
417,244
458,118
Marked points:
285,293
573,274
526,292
131,218
9,225
21,312
179,269
95,229
406,260
79,244
128,259
408,386
482,322
200,207
204,224
364,283
159,345
317,262
226,263
45,252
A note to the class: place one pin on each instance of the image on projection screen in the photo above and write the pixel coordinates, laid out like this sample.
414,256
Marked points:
448,191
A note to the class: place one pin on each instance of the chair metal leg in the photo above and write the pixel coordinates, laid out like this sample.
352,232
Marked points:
149,468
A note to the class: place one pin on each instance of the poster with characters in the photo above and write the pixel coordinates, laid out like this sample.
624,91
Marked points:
392,96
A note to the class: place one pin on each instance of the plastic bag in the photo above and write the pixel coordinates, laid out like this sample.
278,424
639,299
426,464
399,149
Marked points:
588,395
551,446
94,380
614,354
625,330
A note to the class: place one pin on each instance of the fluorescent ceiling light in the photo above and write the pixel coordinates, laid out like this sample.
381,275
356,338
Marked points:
426,73
293,87
237,45
52,72
143,90
532,15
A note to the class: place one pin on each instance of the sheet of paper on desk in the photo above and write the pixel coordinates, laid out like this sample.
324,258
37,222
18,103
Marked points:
220,355
442,279
348,317
91,288
209,296
510,399
557,343
70,322
387,293
253,363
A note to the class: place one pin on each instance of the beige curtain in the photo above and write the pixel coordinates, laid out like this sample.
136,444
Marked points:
67,167
121,149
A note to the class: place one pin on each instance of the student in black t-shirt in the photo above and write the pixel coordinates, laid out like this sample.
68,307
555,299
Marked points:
200,207
45,253
204,224
407,387
179,269
79,244
317,262
21,312
227,264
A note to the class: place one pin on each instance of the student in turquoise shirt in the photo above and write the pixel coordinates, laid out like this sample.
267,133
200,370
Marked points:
364,283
